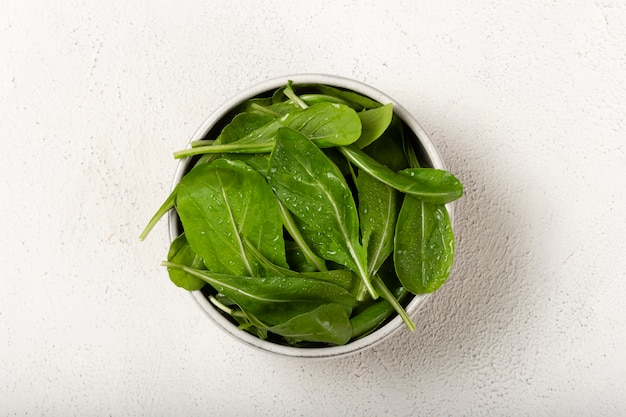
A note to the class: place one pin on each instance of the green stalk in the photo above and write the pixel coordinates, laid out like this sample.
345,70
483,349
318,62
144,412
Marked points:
228,148
294,97
264,109
225,309
203,142
387,295
167,205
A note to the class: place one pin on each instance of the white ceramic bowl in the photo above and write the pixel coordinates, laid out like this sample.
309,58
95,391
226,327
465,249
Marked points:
426,151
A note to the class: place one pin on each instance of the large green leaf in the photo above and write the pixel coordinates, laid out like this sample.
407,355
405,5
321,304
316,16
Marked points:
274,299
424,246
326,124
316,193
222,203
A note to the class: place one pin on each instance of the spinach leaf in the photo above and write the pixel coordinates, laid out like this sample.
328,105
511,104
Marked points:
272,223
276,109
296,259
291,95
341,277
266,107
296,235
242,124
428,184
273,299
227,306
311,99
374,315
389,148
250,104
222,203
424,246
356,98
379,205
326,124
316,193
328,323
181,252
374,122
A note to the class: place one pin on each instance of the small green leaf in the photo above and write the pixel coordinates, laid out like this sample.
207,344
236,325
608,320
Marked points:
424,246
374,122
374,315
180,252
388,149
329,323
379,205
341,277
428,184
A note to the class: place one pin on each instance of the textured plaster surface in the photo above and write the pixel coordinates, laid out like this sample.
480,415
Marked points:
525,100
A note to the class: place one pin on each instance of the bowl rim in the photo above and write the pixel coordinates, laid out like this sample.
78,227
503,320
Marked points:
213,314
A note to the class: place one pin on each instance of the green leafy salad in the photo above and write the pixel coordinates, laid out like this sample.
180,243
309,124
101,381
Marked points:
308,219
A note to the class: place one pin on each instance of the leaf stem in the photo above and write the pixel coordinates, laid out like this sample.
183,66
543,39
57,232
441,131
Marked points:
225,309
387,295
263,109
294,97
203,142
265,147
167,205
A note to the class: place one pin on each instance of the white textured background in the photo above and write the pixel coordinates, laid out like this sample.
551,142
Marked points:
526,101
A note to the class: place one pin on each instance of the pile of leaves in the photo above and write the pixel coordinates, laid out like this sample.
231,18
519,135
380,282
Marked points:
308,220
